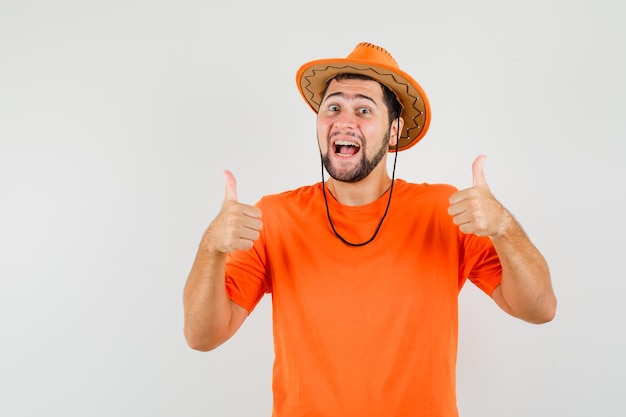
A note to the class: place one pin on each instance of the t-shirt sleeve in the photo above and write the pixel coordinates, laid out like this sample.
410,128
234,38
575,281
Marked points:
247,276
480,263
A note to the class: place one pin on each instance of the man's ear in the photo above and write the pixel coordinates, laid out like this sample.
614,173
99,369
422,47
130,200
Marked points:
393,131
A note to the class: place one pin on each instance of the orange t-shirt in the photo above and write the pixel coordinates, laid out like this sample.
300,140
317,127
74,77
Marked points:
362,331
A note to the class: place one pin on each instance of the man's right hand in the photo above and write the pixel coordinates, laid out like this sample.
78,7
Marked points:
237,225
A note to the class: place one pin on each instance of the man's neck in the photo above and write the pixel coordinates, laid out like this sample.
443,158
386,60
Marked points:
359,193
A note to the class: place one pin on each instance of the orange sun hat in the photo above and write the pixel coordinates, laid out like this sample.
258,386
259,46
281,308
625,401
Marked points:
375,62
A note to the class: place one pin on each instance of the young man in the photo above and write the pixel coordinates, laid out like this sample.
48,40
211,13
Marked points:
364,269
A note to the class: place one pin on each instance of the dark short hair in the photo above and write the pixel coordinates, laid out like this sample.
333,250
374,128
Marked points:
394,108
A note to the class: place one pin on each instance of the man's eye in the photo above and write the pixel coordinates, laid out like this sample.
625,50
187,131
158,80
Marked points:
364,110
333,107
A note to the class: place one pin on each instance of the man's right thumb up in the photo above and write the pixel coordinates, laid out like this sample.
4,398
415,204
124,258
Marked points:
231,186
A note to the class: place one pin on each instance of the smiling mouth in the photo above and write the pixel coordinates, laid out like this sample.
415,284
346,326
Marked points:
346,148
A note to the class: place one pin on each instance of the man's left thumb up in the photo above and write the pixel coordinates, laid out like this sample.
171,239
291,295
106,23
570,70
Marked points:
478,176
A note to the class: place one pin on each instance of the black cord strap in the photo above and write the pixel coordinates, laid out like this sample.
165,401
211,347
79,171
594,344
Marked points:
330,220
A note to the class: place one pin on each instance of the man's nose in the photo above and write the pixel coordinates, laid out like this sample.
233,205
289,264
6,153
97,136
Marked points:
346,120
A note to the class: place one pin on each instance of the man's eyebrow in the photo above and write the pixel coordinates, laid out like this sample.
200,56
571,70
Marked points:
349,96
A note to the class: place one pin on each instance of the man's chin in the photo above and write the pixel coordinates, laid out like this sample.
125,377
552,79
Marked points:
348,174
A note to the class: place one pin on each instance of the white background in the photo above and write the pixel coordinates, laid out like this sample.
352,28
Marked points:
117,119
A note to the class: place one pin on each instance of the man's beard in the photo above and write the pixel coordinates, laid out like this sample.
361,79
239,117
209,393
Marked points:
362,170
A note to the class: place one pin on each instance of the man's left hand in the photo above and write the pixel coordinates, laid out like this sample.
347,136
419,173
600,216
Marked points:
475,210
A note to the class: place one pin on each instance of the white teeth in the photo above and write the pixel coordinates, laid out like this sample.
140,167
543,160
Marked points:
347,143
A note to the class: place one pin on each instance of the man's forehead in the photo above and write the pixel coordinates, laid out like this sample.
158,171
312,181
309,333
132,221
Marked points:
355,88
355,82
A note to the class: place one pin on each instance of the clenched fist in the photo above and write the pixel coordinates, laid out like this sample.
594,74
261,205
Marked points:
237,225
475,210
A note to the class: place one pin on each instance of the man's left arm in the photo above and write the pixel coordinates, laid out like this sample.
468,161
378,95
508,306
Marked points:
526,289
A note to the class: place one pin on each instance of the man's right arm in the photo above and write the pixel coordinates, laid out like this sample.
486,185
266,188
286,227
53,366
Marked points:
211,317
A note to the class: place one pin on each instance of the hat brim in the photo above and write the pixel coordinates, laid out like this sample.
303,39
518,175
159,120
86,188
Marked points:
311,79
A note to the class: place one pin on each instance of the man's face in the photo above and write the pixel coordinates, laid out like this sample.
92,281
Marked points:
353,129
